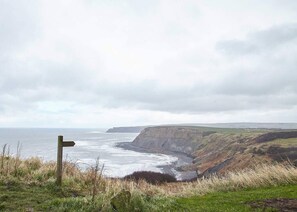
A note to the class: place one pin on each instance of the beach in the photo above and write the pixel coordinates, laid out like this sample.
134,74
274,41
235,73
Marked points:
173,168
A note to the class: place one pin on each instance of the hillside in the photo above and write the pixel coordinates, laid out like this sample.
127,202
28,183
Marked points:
217,150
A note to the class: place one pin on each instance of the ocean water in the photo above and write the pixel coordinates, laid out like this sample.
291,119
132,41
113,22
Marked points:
90,144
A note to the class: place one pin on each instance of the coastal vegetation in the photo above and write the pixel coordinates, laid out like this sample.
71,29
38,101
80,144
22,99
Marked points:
154,178
29,185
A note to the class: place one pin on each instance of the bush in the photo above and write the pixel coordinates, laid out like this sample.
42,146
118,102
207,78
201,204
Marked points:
150,177
33,163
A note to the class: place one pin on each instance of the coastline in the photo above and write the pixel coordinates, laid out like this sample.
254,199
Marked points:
173,168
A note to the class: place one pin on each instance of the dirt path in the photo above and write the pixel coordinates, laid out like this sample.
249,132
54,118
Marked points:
281,204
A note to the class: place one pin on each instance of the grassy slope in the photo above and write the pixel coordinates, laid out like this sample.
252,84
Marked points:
241,146
20,197
289,142
234,201
47,198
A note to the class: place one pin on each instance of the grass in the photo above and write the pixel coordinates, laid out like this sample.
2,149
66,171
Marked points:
234,201
47,198
29,184
289,142
263,175
222,130
17,197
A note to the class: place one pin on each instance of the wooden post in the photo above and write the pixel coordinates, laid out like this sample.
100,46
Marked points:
59,160
61,144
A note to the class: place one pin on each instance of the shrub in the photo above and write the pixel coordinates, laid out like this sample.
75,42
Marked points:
150,177
33,163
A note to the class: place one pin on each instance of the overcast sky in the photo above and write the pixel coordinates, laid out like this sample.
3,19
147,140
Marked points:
105,63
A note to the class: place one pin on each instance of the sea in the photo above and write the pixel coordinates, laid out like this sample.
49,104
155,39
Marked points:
90,144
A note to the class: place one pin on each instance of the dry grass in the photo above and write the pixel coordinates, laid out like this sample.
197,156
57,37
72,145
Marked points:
263,175
34,171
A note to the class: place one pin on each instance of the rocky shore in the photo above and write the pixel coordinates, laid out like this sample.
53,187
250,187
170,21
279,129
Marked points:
175,168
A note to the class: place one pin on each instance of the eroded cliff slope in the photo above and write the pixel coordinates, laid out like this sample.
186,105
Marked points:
216,150
174,139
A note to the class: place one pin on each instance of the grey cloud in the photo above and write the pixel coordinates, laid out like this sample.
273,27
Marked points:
196,99
241,89
19,28
276,35
24,84
236,47
19,24
149,92
225,103
268,81
260,81
268,67
259,41
14,103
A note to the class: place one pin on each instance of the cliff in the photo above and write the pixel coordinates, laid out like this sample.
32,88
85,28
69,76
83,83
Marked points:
216,150
173,139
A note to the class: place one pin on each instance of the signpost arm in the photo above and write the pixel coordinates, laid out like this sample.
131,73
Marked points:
59,160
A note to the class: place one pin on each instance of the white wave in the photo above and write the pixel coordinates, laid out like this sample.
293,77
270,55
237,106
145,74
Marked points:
82,143
114,170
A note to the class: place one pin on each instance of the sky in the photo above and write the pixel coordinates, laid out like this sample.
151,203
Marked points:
106,63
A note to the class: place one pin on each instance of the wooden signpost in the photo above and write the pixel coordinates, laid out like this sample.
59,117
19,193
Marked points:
61,144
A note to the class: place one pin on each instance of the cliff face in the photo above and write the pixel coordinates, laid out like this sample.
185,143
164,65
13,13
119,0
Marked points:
173,139
220,150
